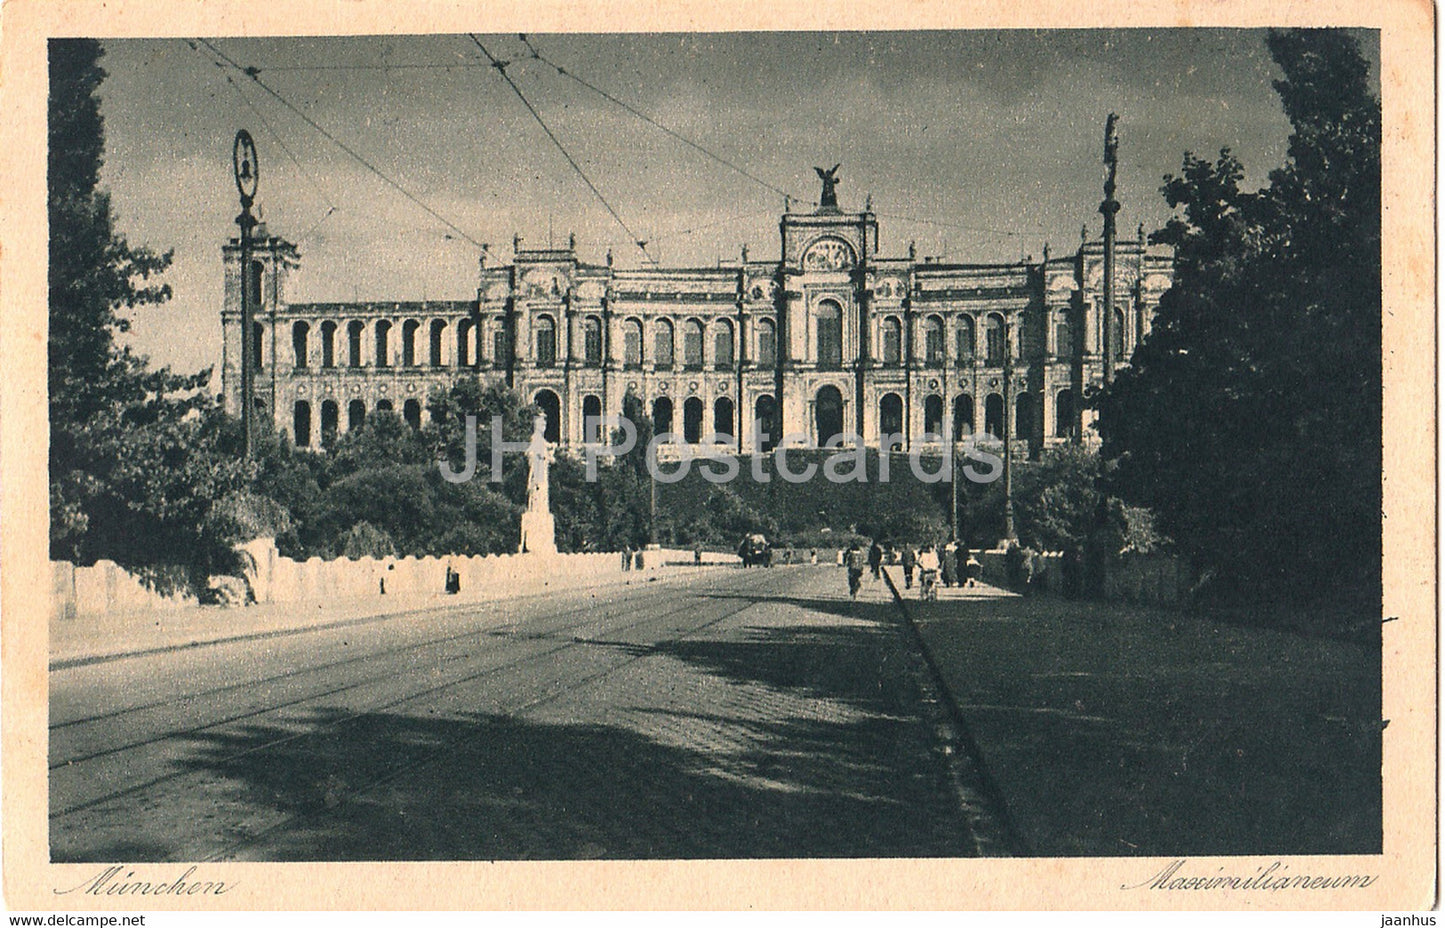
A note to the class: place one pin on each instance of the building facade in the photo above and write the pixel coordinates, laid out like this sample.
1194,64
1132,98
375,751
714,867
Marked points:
831,339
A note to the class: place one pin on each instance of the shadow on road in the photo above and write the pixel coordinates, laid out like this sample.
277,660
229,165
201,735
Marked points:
804,742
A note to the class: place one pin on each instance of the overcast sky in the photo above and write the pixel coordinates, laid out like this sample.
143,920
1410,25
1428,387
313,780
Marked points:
981,146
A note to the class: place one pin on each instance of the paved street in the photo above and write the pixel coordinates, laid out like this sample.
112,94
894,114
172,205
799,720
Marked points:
721,713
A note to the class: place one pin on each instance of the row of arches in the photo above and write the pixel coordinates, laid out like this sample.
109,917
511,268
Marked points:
827,414
356,415
361,344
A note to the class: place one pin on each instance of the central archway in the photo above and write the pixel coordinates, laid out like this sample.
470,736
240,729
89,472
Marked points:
551,408
828,415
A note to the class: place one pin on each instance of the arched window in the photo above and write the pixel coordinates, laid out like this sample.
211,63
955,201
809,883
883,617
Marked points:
591,419
767,343
1119,335
632,343
411,413
383,343
692,420
692,345
551,409
965,336
353,342
546,332
1063,338
830,335
501,344
892,341
828,415
933,341
464,343
993,415
722,417
592,340
765,423
408,342
661,416
995,339
384,406
962,416
1024,418
258,343
662,344
933,417
722,345
355,415
436,356
330,414
1064,413
328,344
301,424
300,338
890,421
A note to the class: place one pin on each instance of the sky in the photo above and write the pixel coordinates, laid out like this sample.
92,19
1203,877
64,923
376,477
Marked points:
979,146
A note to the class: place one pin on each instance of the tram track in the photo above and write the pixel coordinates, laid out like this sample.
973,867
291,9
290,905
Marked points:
549,632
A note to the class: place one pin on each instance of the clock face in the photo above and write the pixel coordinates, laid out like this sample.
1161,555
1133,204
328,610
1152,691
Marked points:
245,165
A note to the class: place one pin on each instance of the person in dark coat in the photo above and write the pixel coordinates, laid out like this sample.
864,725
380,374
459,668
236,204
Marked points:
910,561
875,559
960,565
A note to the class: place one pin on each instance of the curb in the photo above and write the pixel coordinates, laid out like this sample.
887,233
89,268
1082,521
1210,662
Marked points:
975,778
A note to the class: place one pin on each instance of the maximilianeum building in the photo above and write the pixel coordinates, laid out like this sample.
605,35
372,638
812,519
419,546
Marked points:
834,338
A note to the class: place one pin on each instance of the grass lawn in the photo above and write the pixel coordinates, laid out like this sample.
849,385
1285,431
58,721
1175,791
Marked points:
1114,730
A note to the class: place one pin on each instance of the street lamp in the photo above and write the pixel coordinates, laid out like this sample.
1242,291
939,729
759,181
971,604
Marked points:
247,171
1008,454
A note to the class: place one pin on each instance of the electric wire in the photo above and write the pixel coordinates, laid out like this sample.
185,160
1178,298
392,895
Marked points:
331,206
501,68
254,74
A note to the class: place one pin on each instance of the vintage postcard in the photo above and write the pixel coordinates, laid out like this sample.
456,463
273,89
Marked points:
602,456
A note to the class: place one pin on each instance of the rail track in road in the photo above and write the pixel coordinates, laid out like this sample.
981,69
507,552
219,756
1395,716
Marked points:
192,752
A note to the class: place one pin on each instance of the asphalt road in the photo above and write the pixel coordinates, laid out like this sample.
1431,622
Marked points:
723,714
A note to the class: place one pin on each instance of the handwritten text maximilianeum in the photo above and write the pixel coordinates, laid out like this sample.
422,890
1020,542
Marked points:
1274,878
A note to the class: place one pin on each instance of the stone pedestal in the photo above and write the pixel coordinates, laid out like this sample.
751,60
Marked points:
539,533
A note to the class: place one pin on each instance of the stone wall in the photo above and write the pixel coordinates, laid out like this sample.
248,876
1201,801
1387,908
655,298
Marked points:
106,587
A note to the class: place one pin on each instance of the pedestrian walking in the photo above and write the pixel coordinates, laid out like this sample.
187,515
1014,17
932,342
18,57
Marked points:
960,568
875,559
972,570
910,561
948,561
927,573
854,561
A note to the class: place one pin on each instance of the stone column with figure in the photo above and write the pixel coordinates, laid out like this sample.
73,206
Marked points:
538,529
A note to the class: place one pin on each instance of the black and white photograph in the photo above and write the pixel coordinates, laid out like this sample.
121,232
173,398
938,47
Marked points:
885,446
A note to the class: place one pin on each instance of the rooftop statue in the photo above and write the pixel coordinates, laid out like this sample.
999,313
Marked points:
830,185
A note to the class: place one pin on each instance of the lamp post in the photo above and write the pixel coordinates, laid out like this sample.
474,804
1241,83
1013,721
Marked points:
1008,453
247,171
1110,209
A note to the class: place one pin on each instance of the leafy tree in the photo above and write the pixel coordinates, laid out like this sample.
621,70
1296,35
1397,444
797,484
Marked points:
133,463
1249,420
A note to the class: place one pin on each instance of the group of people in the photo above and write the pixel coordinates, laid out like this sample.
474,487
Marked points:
955,563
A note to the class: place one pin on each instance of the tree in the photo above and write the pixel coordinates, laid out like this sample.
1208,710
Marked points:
133,466
1249,420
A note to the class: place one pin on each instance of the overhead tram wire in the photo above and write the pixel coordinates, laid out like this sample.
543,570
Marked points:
331,206
254,74
501,68
650,121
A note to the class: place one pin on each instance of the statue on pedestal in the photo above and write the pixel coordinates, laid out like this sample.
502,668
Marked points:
539,532
830,186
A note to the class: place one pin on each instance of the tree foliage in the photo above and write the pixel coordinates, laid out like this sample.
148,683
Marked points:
133,473
1249,420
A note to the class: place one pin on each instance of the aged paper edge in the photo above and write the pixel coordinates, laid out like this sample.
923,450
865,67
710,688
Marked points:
1406,869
